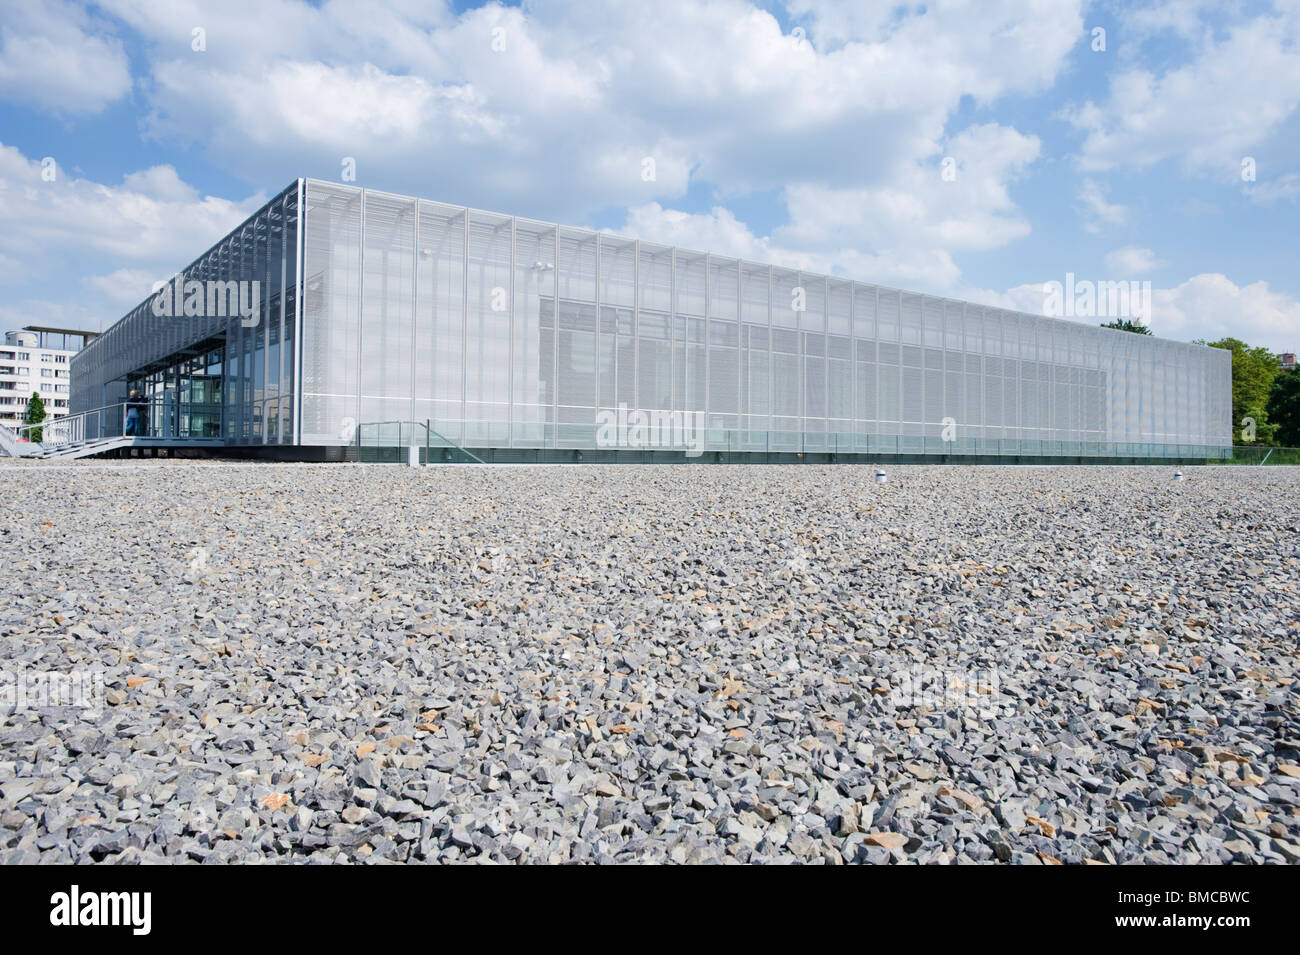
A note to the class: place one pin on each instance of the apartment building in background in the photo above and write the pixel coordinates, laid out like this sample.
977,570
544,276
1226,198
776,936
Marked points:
37,360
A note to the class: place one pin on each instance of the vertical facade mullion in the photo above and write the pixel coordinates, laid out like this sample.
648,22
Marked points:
240,335
555,347
853,362
1010,329
636,331
361,310
921,328
672,326
297,333
280,357
943,368
801,351
826,358
875,349
415,305
265,310
510,348
983,388
595,401
708,344
879,426
963,393
464,333
771,364
742,353
250,337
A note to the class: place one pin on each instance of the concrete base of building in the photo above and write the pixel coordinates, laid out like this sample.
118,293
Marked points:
160,451
629,456
396,455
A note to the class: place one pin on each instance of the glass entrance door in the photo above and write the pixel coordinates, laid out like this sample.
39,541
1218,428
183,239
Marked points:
184,398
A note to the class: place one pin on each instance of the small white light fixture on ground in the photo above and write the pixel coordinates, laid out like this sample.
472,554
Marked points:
1178,475
881,477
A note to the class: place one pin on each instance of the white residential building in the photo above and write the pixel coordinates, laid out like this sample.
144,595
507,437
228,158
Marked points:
27,367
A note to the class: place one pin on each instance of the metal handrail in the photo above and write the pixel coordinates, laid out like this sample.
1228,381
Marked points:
728,441
12,444
95,424
429,434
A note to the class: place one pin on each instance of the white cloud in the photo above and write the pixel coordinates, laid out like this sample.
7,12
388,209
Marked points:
919,208
1207,113
987,47
1131,260
152,221
126,287
905,232
1030,297
53,55
1098,211
160,182
1208,306
719,231
557,124
1211,306
716,231
1285,188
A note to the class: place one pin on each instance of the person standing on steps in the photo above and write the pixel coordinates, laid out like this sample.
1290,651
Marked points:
136,407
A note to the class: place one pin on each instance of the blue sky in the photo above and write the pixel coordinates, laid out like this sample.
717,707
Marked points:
811,133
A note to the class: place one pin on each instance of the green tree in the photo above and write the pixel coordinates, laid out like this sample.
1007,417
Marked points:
1284,408
1127,325
1253,372
35,415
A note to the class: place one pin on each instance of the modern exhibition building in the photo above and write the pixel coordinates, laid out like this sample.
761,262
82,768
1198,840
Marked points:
339,319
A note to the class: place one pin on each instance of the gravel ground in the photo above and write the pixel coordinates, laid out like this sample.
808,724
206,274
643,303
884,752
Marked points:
683,663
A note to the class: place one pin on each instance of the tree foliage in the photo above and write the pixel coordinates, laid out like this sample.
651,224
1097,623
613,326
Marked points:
35,415
1127,325
1284,408
1253,372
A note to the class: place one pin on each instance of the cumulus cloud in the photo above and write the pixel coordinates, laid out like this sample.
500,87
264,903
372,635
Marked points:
1030,297
1212,306
1285,188
1129,261
161,183
152,220
1208,306
55,56
552,109
903,232
1097,210
1208,113
122,287
716,231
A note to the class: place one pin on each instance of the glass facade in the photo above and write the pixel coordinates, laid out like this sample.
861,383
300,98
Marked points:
503,332
183,399
207,368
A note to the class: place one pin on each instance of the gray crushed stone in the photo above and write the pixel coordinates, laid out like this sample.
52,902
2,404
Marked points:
689,664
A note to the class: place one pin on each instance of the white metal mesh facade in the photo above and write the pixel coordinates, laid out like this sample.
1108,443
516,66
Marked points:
506,332
522,341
